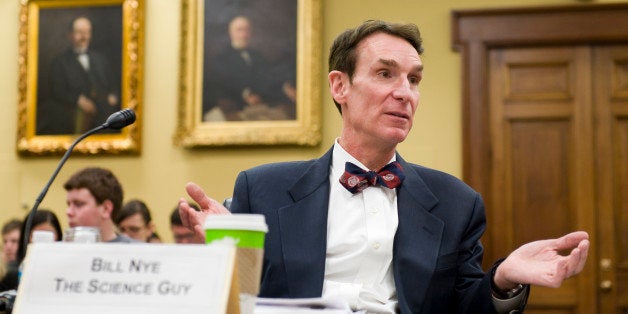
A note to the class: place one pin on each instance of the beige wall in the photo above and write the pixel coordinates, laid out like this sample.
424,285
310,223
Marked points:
159,174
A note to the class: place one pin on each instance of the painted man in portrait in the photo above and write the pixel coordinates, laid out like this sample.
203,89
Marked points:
242,85
83,92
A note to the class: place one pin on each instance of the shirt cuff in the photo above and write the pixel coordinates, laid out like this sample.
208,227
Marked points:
512,305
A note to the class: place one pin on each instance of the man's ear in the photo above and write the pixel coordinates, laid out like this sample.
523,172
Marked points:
107,206
338,83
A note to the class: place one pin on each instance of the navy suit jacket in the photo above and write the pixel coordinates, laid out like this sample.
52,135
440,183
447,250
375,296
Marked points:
436,252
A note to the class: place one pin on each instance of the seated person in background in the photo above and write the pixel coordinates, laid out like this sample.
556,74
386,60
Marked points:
362,224
11,231
44,220
10,238
94,197
3,273
134,221
154,238
180,233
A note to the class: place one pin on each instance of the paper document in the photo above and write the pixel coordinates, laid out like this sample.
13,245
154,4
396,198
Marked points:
302,306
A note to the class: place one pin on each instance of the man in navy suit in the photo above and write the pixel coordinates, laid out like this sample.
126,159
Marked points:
384,248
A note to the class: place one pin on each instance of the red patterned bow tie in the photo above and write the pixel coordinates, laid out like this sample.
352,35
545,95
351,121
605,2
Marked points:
355,179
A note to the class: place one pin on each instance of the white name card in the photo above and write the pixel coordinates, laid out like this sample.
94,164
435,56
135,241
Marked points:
117,278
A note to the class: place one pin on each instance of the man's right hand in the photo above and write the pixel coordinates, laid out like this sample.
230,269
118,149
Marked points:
193,219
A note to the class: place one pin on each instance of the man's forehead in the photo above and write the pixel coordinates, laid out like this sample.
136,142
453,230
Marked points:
135,218
82,22
81,192
382,43
390,51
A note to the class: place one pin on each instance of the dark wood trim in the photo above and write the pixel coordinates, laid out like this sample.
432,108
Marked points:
475,31
589,23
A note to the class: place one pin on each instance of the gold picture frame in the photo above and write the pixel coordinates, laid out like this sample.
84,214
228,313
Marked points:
49,118
303,127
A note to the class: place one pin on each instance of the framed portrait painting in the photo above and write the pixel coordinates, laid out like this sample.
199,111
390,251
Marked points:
250,72
79,62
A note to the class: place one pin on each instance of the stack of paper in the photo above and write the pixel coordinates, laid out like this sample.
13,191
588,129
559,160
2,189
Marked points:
302,306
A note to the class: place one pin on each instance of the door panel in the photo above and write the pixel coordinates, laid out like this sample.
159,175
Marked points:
542,158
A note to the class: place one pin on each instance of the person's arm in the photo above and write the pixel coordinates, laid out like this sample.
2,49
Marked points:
193,219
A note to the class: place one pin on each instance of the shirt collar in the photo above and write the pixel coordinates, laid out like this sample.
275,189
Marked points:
340,156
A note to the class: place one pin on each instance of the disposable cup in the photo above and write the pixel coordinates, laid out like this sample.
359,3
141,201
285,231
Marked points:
248,232
41,236
82,235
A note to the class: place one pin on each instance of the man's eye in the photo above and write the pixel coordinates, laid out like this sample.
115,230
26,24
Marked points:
383,73
130,229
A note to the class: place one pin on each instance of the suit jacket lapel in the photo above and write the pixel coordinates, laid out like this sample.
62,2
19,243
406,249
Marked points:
418,237
303,227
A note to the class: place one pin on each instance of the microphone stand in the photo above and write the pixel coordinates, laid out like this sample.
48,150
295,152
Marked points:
29,221
116,121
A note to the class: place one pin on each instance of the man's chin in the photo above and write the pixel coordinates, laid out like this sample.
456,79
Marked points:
398,135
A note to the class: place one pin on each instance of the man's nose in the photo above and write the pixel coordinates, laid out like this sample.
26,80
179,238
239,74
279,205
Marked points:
403,90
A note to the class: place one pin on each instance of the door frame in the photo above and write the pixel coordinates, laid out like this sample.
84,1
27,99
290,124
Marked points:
476,32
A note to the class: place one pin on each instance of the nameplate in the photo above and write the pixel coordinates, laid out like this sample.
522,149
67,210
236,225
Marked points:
117,278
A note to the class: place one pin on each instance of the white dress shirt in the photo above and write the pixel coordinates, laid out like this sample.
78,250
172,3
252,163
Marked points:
360,233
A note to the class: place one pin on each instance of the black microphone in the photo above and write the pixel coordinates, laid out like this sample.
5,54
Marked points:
117,120
120,119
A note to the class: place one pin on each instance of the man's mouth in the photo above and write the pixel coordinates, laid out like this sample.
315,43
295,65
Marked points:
399,115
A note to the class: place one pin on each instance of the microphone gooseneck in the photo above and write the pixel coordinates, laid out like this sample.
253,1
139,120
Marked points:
116,121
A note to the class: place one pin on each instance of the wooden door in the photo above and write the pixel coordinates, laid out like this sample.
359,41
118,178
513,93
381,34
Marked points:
545,122
610,85
542,159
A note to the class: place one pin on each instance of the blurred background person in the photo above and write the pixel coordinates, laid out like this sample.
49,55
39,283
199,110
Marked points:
134,220
3,272
181,234
10,239
94,197
43,220
154,238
